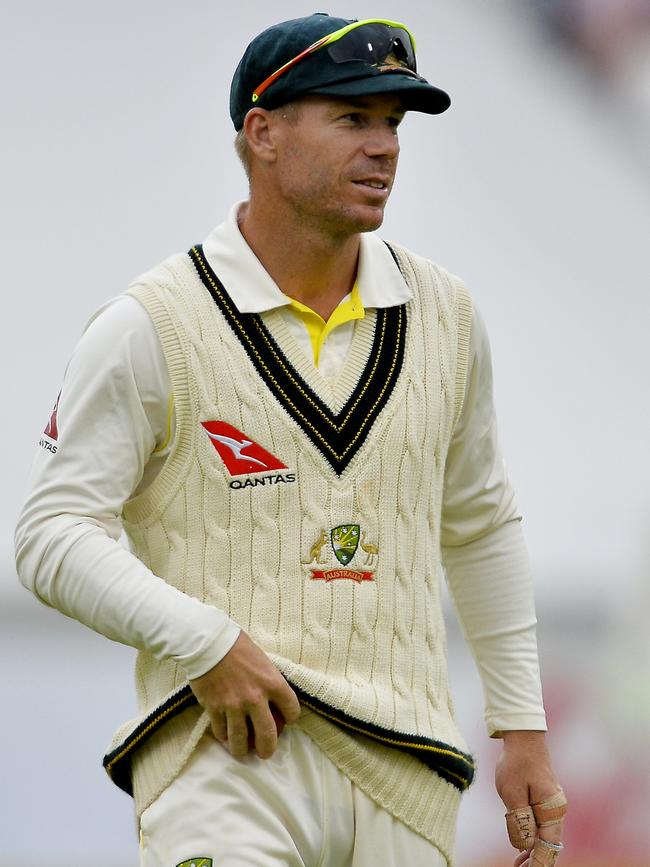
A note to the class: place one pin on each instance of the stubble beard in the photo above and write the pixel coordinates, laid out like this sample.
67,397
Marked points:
319,208
334,217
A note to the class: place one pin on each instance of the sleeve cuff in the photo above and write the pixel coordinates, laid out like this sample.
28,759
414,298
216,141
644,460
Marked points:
221,633
508,722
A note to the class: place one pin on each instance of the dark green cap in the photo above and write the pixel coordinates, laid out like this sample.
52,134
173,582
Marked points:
318,73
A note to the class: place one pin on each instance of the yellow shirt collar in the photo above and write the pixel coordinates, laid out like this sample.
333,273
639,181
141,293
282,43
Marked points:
253,290
350,308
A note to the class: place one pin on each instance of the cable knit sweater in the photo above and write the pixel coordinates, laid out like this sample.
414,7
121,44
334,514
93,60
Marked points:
331,559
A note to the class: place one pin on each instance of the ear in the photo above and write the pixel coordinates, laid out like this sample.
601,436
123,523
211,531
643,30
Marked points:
259,129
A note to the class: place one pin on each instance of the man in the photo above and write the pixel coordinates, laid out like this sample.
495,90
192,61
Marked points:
301,430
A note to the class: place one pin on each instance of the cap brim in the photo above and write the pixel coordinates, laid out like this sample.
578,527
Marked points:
416,93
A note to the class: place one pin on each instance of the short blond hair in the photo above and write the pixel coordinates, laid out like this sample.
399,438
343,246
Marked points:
289,112
243,151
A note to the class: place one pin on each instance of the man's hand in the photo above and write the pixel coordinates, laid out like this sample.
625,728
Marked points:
246,691
533,797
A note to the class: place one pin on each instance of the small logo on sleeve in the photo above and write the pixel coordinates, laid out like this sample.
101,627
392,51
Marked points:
51,430
243,456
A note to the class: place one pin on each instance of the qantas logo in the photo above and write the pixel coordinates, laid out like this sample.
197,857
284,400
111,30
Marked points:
242,455
51,433
237,448
52,430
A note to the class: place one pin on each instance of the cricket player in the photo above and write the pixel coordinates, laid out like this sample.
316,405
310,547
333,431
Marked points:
293,424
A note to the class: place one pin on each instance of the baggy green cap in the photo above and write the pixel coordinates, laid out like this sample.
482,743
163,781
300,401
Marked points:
318,73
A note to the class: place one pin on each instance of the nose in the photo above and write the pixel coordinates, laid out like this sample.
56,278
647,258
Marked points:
382,141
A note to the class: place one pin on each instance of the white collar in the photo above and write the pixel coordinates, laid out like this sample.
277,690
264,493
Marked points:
253,290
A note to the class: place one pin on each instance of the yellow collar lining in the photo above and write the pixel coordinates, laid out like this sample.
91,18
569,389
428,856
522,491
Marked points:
349,309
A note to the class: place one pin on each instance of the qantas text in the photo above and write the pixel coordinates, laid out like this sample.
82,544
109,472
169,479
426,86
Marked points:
238,484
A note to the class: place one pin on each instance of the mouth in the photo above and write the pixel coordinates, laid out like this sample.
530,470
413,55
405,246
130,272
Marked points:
379,186
375,183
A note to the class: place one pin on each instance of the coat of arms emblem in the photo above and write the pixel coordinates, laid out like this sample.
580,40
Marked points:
345,541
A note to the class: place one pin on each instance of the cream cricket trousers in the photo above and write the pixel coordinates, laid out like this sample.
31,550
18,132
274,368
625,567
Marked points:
295,809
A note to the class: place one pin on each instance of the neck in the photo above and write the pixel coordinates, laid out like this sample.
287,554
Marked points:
315,268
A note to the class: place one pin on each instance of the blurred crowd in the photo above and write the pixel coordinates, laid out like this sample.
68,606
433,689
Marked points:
612,38
606,32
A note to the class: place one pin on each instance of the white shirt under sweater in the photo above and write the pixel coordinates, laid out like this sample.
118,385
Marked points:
113,437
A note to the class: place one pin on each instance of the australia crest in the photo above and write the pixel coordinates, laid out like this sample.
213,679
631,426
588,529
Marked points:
340,546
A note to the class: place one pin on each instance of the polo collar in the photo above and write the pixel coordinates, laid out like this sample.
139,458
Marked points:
253,290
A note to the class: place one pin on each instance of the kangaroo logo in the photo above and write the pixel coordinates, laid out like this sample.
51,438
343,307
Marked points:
237,448
345,541
240,454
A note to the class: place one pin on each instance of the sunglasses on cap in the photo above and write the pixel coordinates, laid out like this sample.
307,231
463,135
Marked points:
386,45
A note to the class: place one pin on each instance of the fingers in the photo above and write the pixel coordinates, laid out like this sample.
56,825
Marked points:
247,698
237,738
278,718
286,701
551,811
262,726
538,830
549,817
265,732
219,726
523,823
266,720
544,854
521,827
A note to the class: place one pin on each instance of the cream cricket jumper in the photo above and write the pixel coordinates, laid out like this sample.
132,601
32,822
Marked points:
331,562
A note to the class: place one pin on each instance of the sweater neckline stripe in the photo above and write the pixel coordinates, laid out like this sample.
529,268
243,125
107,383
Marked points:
337,435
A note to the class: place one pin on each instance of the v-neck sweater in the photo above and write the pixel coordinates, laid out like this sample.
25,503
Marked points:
363,646
115,404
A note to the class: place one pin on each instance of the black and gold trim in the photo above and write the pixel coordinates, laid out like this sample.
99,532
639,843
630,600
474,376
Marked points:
118,762
449,763
338,436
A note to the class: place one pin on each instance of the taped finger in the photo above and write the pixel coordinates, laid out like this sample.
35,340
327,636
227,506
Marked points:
551,811
545,854
521,827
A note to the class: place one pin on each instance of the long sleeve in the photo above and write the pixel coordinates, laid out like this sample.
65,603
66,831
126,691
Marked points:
485,557
111,430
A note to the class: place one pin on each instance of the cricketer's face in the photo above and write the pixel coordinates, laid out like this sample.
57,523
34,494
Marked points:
337,160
